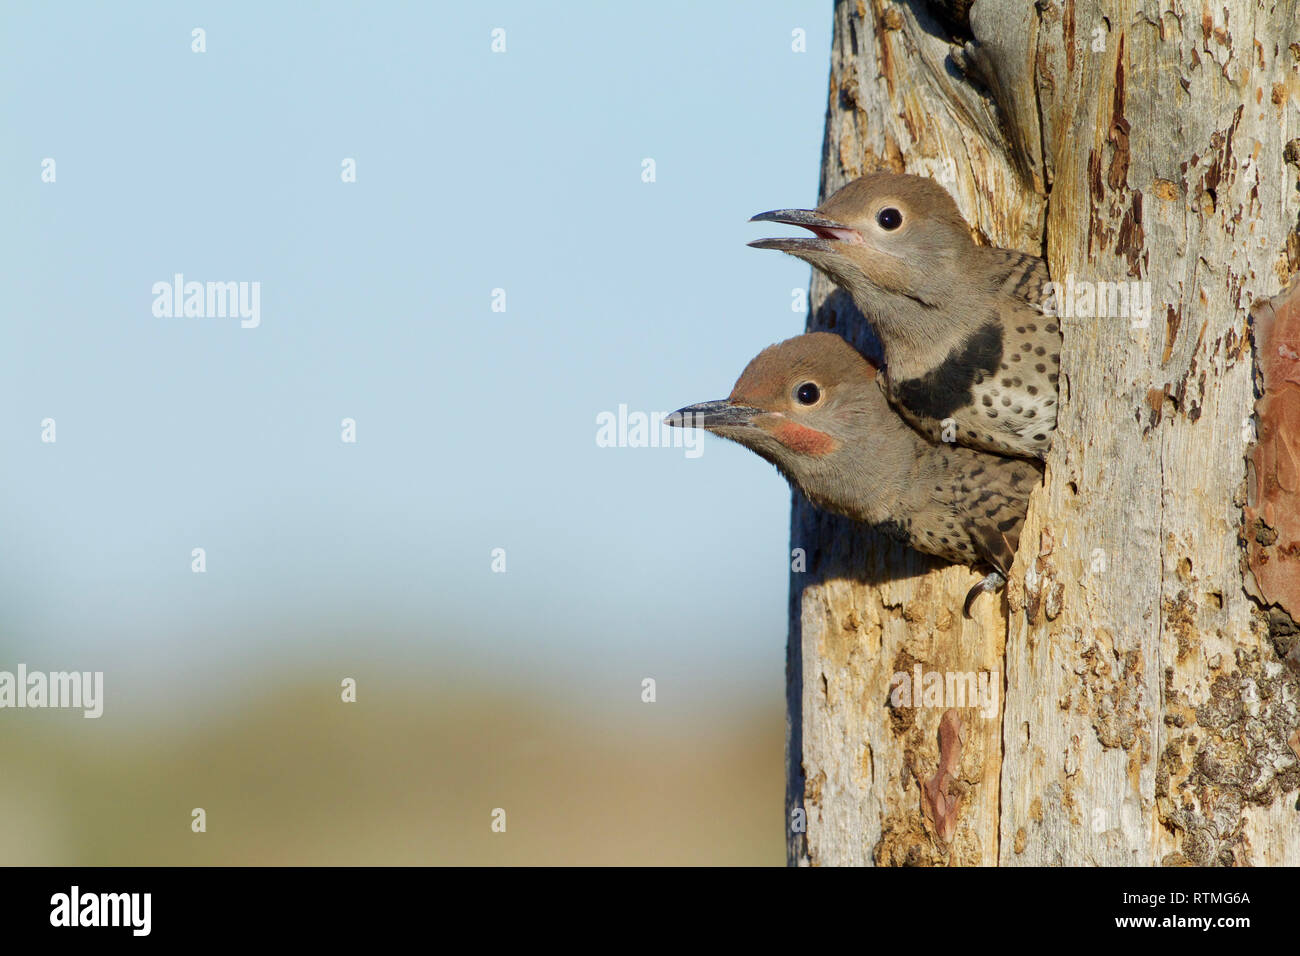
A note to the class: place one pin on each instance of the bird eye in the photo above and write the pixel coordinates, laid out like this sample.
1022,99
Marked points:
889,218
808,394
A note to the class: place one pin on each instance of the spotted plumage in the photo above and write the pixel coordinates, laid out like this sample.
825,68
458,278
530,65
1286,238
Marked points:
971,357
812,407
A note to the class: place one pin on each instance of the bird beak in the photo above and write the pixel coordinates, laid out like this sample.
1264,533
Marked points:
826,231
712,415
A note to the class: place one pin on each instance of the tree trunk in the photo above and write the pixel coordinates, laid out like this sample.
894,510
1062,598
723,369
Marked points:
1144,652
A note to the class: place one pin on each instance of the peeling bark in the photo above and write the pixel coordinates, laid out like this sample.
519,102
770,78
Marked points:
1272,518
1145,652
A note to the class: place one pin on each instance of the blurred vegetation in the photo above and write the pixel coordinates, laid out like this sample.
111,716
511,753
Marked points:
408,775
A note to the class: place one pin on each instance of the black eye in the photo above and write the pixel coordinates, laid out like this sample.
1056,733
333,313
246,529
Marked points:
808,394
889,218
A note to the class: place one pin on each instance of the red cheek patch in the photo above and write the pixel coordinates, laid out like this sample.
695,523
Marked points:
806,441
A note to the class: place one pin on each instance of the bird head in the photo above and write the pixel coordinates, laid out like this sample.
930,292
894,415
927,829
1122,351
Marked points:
883,238
811,406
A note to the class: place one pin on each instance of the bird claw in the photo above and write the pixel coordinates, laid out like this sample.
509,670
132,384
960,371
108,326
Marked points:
993,581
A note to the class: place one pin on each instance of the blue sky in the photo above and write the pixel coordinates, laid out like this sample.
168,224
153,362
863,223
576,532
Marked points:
475,429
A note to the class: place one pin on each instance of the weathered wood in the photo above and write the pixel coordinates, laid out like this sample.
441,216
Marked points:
1146,705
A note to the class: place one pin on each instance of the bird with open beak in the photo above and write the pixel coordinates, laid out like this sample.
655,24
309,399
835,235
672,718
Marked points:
971,356
811,406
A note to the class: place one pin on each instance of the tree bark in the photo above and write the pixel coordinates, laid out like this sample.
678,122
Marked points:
1144,653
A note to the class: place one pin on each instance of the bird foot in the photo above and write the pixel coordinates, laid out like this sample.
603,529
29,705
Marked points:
992,582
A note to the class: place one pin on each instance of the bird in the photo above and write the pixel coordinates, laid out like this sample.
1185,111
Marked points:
971,348
810,406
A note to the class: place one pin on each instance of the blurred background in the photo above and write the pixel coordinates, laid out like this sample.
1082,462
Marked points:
520,170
